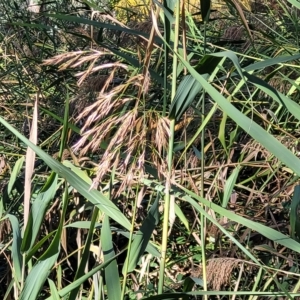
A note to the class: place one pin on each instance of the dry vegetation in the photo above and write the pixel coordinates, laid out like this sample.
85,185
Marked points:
144,161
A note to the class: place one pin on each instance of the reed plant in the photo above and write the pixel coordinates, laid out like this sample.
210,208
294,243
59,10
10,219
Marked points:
154,158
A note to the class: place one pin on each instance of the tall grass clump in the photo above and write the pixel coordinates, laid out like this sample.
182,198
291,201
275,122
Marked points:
149,156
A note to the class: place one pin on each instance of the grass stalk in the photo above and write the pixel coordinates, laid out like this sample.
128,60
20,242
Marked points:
202,217
167,34
252,125
170,160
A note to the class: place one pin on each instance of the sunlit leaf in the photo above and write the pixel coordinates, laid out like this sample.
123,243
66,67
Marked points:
111,271
94,196
15,172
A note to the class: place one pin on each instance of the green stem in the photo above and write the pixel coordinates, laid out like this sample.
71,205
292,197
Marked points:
202,218
170,161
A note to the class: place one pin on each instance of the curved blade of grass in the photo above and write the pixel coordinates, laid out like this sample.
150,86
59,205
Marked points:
187,196
268,232
271,62
251,127
230,55
111,271
294,214
179,213
32,25
188,286
208,64
295,3
53,290
205,9
15,172
94,196
38,246
291,106
278,237
82,174
40,271
167,8
142,237
16,246
29,162
37,277
37,214
229,185
222,130
185,94
237,7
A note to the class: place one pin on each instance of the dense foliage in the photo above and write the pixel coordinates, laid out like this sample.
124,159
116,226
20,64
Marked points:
149,150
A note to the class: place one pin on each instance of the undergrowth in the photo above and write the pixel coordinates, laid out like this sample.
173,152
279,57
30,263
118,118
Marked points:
149,153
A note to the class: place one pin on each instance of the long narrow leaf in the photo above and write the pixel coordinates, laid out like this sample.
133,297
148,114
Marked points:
186,93
111,271
40,271
37,277
291,106
229,185
205,9
294,214
13,177
94,196
16,246
29,163
37,214
268,232
271,62
251,127
54,292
